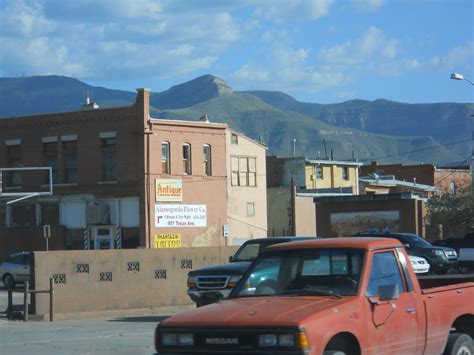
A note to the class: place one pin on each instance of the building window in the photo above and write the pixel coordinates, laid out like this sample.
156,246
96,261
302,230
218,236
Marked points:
319,172
243,171
234,138
13,178
206,152
345,173
50,214
50,158
250,209
165,158
70,161
109,158
23,215
187,159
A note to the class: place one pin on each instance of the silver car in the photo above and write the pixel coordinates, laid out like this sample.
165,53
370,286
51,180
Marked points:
15,269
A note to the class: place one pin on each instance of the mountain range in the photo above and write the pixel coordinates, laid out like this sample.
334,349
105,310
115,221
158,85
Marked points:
381,130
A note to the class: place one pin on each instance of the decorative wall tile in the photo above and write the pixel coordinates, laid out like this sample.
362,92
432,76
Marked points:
106,276
160,274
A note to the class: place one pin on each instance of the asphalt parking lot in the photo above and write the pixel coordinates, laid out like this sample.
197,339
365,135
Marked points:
119,335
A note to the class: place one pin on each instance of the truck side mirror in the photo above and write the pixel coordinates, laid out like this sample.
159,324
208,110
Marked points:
231,258
388,292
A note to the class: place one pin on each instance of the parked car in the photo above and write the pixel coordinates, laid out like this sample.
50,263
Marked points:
420,265
213,283
332,296
466,253
15,269
441,259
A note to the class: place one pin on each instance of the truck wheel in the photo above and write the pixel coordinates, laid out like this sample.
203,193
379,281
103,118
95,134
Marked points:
8,281
459,344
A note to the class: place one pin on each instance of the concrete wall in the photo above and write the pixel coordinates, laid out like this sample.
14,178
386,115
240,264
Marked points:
135,279
305,216
279,209
241,224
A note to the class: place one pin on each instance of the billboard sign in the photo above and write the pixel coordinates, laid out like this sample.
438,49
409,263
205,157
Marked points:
168,241
180,216
168,190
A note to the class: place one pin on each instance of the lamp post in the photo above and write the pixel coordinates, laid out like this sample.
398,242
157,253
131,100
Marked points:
457,76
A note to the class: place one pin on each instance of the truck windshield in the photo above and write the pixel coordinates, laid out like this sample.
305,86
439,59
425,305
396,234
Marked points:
250,251
324,271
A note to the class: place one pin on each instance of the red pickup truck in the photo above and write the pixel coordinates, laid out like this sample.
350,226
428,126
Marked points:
330,296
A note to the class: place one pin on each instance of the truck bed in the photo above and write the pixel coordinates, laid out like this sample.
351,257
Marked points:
435,281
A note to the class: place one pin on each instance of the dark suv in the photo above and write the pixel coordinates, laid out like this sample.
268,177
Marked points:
213,283
440,258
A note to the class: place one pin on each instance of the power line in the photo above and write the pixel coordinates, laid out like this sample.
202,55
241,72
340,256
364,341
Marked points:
418,150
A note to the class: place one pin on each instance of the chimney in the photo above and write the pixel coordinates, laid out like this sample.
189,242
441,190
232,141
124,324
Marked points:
374,163
142,102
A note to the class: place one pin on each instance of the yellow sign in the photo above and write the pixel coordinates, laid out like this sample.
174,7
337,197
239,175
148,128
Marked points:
168,190
168,240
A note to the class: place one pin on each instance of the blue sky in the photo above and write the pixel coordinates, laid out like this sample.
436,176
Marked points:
322,51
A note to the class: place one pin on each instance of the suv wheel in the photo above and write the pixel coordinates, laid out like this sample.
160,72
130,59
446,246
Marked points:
8,281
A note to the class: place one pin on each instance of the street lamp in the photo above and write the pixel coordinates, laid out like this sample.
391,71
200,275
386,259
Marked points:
457,76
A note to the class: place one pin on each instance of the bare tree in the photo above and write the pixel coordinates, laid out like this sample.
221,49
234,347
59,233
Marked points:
454,212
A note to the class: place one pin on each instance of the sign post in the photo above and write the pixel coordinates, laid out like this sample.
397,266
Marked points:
47,234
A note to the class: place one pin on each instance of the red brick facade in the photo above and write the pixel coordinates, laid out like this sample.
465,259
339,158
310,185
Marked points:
135,142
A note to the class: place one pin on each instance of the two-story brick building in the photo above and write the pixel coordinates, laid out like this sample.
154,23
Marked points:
123,179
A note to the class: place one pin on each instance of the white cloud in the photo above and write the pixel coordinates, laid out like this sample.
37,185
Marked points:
23,18
367,5
458,57
113,38
371,51
283,11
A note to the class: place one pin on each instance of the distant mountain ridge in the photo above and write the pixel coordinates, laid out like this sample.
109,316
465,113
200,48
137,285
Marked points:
359,128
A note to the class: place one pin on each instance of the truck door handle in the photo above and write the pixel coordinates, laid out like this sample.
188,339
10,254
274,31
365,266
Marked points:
411,310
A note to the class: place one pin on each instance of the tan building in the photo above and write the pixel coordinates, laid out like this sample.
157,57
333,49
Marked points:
246,188
291,210
122,179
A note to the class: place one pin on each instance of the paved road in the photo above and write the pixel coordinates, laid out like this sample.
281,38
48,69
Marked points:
127,335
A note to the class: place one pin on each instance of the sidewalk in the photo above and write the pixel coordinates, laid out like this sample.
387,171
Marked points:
112,335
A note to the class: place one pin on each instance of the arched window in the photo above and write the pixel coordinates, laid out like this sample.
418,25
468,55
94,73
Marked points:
187,159
206,152
165,158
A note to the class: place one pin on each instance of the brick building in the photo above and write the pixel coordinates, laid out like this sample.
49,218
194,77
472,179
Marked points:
121,179
448,179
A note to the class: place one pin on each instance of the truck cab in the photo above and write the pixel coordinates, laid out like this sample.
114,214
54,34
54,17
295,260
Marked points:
215,282
330,296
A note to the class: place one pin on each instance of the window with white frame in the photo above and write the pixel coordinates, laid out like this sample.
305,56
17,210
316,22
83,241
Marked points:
165,158
69,161
345,172
187,159
13,178
243,171
250,209
109,156
319,172
206,152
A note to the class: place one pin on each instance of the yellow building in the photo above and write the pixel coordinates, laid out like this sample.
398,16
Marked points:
332,174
